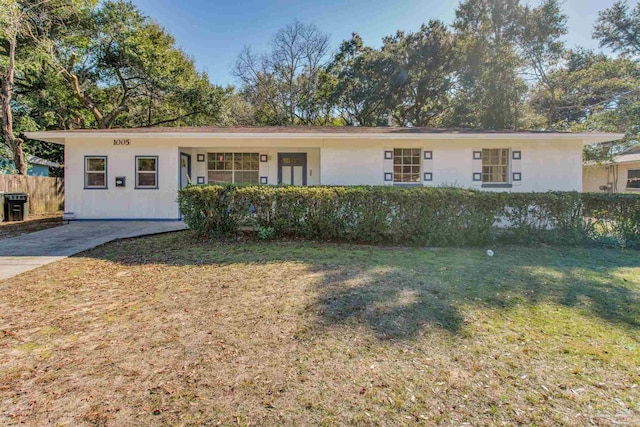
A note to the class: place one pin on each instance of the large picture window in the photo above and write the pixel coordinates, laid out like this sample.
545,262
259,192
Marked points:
633,178
495,165
236,168
406,165
146,172
95,172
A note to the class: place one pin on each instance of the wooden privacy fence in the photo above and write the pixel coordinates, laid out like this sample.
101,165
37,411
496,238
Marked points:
46,194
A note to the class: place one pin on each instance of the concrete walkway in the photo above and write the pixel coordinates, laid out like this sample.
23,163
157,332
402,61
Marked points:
29,251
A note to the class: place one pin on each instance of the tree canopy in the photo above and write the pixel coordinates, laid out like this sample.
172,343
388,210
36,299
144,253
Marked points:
501,64
69,64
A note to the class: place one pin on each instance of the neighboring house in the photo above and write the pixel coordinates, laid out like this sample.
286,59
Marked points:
35,166
621,174
135,173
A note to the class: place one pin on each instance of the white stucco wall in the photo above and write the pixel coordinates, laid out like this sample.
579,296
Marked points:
545,165
593,177
117,202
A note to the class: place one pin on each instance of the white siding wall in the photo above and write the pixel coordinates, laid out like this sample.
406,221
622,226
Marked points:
117,202
595,176
545,165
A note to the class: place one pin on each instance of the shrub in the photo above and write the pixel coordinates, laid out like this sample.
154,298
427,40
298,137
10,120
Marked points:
420,216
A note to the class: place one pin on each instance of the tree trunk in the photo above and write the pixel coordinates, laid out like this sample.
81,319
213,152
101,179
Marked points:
551,111
15,144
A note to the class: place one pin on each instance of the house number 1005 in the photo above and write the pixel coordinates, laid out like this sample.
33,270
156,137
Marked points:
121,142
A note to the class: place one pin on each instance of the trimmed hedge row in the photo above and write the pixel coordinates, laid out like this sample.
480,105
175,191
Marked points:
421,216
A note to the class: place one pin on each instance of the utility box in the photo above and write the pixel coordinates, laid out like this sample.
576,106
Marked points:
16,206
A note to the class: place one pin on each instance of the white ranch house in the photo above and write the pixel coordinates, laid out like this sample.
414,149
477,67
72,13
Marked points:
136,173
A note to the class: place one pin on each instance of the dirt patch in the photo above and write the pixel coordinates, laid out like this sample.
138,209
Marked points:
33,223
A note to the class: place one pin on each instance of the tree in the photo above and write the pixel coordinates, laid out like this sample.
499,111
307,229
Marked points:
618,28
21,22
11,19
489,90
236,110
363,80
425,61
594,93
539,40
125,70
283,84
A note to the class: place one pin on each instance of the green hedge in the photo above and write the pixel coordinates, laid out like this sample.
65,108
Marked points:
421,216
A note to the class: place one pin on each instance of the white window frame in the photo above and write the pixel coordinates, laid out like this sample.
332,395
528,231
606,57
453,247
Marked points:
507,173
233,169
103,172
418,174
138,172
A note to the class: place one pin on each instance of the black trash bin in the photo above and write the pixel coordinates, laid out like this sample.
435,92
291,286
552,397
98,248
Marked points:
15,206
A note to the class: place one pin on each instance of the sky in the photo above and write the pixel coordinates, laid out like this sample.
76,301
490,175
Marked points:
213,32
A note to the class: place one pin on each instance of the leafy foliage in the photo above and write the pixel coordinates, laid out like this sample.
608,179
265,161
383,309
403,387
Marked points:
363,80
425,62
424,216
126,71
618,28
490,89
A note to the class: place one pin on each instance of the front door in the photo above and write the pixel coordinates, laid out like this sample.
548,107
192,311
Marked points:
292,168
185,170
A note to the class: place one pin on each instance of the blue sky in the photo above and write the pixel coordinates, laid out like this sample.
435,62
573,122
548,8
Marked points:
213,32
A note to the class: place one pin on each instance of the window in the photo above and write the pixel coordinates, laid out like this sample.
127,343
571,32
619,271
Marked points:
495,165
633,178
237,168
146,172
95,172
406,165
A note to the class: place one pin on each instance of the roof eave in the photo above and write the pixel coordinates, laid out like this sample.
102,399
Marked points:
58,137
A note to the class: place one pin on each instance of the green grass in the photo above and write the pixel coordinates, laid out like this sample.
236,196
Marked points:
175,330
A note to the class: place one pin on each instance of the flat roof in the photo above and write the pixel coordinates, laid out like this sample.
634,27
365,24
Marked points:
328,132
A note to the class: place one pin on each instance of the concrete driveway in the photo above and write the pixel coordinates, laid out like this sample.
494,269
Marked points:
29,251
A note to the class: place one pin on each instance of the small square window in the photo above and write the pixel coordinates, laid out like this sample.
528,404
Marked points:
388,176
517,155
428,176
95,172
147,172
264,158
477,177
263,180
388,154
201,180
517,176
201,157
428,155
477,155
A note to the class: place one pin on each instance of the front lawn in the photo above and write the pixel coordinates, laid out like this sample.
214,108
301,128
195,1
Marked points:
170,330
